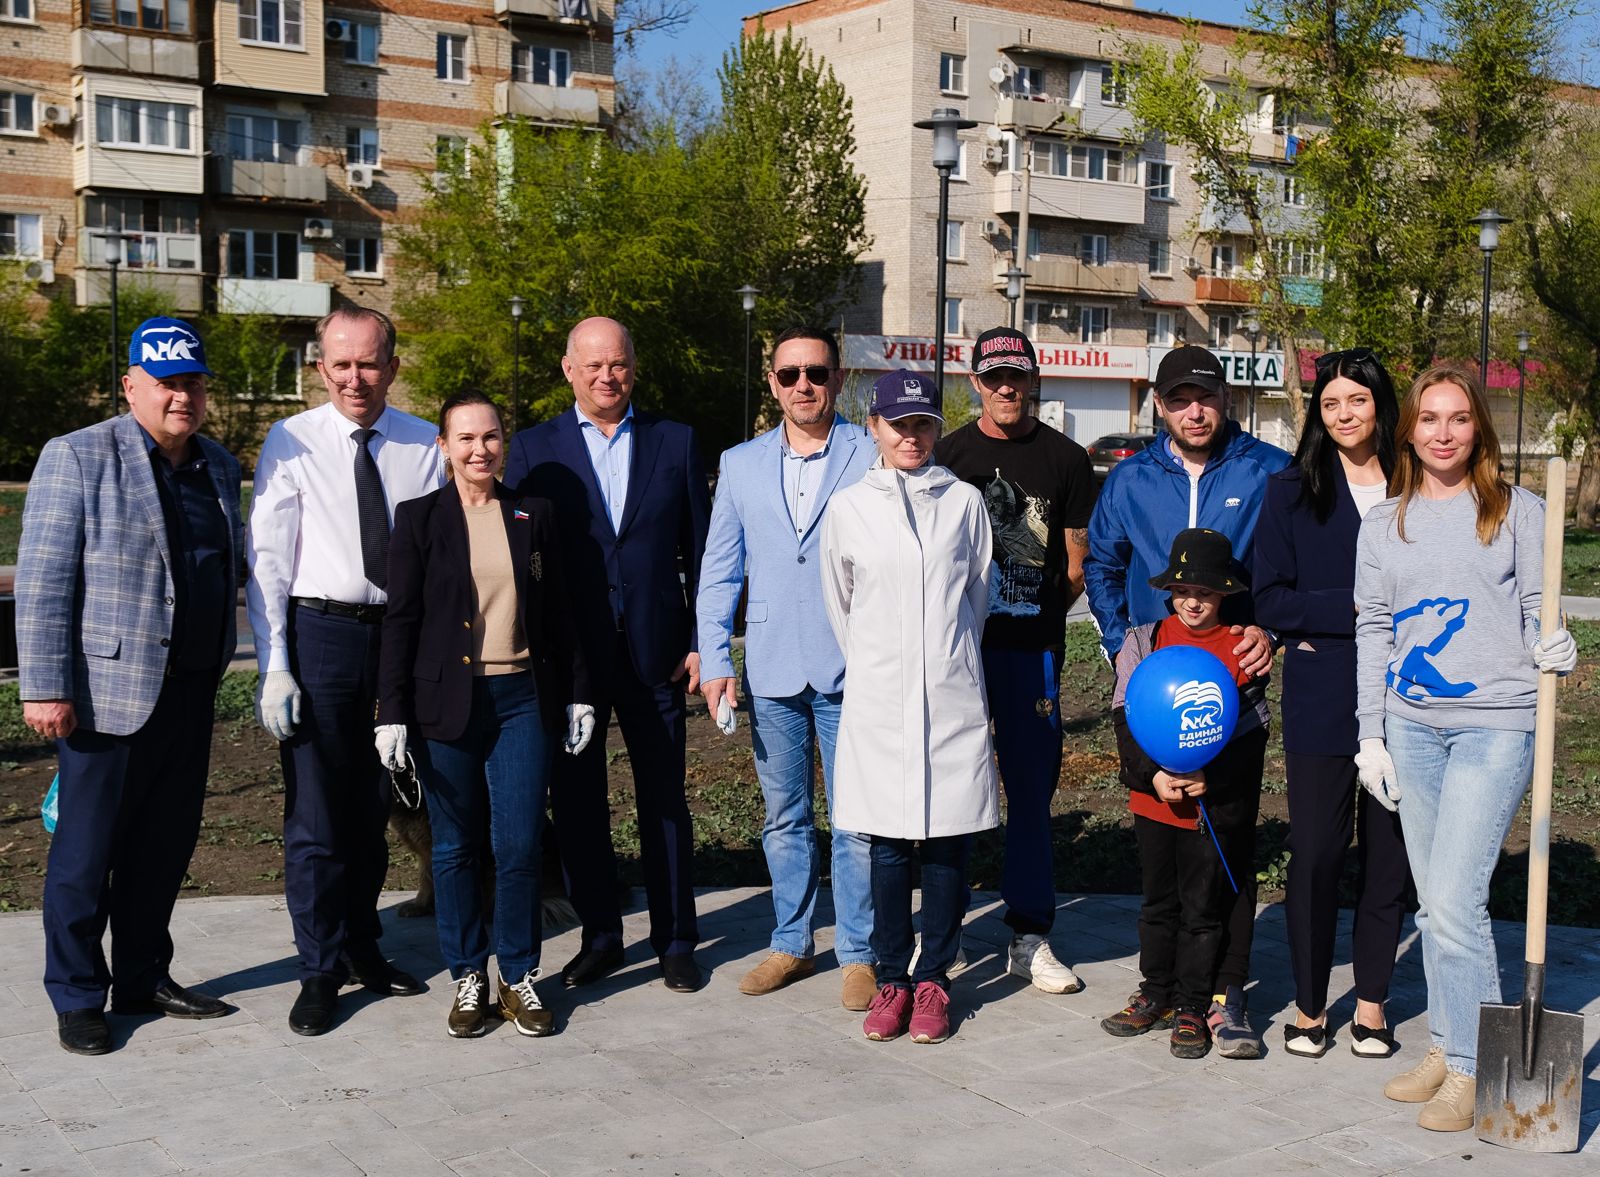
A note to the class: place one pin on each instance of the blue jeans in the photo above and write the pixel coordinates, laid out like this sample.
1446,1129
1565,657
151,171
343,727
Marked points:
944,905
1459,790
501,764
785,733
1028,748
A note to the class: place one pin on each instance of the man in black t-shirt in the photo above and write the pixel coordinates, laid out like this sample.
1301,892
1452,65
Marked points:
1039,488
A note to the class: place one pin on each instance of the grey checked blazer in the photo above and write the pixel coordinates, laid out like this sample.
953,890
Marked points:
94,574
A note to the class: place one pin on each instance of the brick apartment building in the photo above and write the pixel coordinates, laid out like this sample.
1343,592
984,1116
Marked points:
255,154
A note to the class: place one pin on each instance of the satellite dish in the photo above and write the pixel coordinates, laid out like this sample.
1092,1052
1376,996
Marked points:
994,133
997,75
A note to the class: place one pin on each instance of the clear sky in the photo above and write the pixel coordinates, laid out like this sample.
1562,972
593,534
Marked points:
699,45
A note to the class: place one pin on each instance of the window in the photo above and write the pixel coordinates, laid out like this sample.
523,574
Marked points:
1034,315
1222,332
450,61
1293,193
1094,249
1222,261
167,16
952,73
952,316
1035,242
268,22
16,9
1114,85
1079,161
1300,259
1158,328
264,138
1028,82
362,48
1158,181
1284,116
361,145
1092,322
449,152
1161,259
541,66
363,256
140,122
156,234
16,113
255,253
959,172
955,240
19,235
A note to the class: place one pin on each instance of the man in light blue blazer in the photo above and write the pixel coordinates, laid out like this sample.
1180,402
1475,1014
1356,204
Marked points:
766,523
127,573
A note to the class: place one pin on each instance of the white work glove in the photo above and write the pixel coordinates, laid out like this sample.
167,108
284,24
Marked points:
278,704
1557,653
390,739
1375,767
580,727
727,717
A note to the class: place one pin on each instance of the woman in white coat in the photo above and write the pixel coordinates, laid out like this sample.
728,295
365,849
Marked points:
905,565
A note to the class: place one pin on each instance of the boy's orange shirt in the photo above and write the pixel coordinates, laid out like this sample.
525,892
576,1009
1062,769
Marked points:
1220,642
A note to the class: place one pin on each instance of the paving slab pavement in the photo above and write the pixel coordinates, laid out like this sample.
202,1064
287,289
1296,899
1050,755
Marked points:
643,1081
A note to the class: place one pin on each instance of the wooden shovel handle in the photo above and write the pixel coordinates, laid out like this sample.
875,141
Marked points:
1544,724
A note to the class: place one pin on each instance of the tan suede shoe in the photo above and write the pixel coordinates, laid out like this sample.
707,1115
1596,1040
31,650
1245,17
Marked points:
1454,1107
1421,1082
860,986
775,972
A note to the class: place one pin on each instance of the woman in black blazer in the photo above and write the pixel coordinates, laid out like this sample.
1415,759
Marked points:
478,656
1304,587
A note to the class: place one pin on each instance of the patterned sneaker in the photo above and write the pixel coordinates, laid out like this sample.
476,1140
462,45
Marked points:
930,1014
1190,1038
521,1006
1229,1022
1032,959
889,1015
1139,1016
467,1012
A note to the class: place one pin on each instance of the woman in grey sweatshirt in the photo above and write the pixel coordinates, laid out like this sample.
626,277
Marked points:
1448,653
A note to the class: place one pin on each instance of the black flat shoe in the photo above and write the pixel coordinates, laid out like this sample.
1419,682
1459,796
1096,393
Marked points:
377,975
1308,1041
312,1012
1368,1043
84,1031
592,964
680,972
172,1000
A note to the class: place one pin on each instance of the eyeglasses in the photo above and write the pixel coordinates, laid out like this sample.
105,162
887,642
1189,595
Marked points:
1353,355
407,789
815,373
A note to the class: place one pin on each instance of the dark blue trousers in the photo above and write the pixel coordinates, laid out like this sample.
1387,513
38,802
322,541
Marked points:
129,816
335,793
652,720
1027,746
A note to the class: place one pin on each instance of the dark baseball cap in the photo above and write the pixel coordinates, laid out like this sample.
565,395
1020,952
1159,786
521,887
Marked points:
1002,347
166,347
903,393
1190,365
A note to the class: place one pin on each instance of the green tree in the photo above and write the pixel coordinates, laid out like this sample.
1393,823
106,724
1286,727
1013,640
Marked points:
253,378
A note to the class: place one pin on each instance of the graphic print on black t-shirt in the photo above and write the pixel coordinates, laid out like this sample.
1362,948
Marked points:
1021,524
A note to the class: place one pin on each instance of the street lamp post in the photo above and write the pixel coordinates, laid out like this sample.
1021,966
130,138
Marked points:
1524,339
944,123
113,242
517,305
1488,222
1252,331
747,295
1014,275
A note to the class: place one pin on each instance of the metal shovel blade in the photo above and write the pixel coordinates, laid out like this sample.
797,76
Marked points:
1537,1114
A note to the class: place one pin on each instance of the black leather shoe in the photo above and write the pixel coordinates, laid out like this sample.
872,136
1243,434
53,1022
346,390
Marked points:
592,964
84,1031
174,1001
680,972
312,1012
377,975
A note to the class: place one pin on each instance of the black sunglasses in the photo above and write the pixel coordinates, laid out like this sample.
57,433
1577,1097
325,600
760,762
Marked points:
815,373
1353,355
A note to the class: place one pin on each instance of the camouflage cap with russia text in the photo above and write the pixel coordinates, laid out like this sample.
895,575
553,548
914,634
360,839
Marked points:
166,347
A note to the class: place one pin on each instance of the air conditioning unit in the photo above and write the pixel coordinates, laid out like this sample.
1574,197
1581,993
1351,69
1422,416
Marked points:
359,175
339,30
313,352
991,228
994,154
42,272
56,114
317,229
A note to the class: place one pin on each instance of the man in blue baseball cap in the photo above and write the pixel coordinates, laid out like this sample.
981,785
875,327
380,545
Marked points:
126,579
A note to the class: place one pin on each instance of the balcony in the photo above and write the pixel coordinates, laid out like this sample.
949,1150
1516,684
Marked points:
1059,196
271,296
1210,288
547,104
260,180
185,291
581,14
109,49
1031,115
1115,280
1302,292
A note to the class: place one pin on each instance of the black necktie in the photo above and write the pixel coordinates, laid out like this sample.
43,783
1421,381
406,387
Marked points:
371,511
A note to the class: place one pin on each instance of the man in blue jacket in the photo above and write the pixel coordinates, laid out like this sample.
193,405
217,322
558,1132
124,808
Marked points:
1204,471
766,523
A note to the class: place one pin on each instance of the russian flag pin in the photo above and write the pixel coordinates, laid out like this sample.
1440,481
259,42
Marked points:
518,513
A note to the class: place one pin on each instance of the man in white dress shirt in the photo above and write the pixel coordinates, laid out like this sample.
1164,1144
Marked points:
326,486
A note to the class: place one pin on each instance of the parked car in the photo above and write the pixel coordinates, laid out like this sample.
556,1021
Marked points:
1105,452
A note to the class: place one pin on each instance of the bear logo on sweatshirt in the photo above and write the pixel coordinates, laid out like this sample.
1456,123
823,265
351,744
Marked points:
1421,633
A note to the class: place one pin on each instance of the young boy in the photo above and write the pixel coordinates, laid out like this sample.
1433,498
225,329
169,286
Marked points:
1187,893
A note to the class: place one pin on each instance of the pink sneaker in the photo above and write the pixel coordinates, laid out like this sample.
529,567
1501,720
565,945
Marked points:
889,1013
930,1014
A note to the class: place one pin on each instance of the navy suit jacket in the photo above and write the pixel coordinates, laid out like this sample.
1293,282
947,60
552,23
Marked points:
1303,582
641,577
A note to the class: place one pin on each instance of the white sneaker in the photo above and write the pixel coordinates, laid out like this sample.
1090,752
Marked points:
958,964
1031,958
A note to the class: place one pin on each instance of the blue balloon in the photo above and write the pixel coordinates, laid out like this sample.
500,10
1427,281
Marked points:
1182,705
